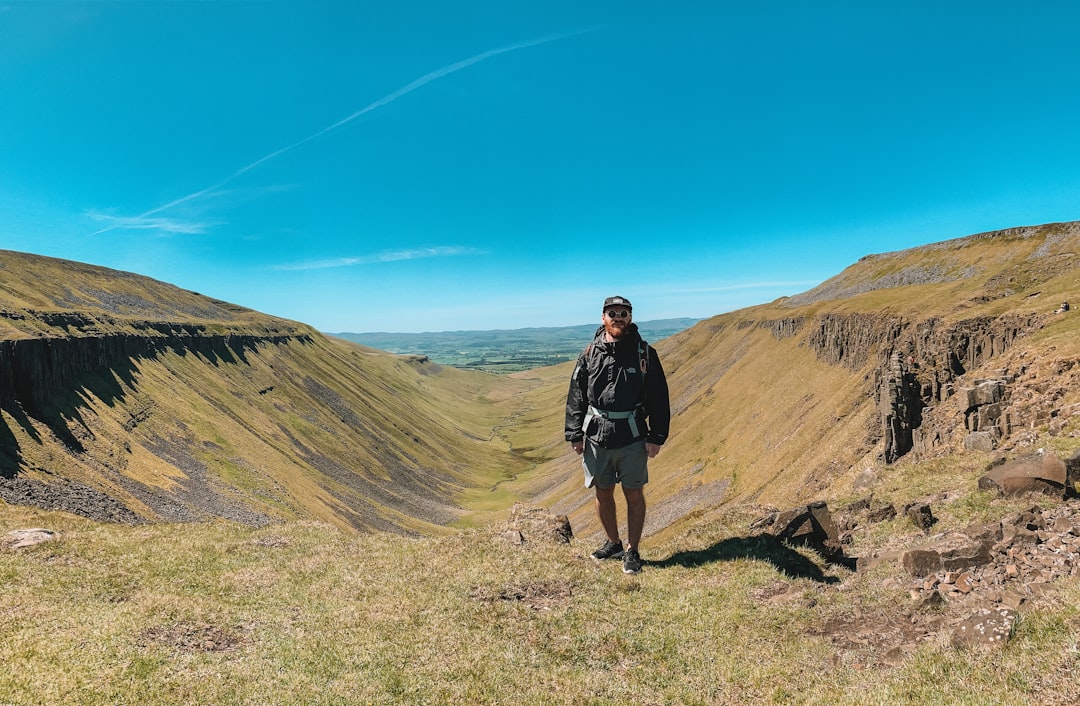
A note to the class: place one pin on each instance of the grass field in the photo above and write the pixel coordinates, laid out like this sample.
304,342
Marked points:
304,613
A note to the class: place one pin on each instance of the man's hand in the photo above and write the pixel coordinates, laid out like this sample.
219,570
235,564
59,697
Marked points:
652,449
578,446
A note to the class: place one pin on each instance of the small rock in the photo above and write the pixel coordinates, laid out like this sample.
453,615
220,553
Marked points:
987,627
921,515
20,539
881,514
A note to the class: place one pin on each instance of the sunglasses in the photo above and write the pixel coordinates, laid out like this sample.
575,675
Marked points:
612,314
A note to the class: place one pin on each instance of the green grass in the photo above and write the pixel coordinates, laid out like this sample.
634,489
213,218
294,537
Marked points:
303,613
312,613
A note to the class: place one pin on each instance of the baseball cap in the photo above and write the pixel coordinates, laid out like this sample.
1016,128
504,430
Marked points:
617,301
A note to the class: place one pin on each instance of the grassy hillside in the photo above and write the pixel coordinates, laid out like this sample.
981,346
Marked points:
269,421
763,414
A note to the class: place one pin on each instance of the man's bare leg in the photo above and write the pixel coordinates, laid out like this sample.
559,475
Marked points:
635,515
605,510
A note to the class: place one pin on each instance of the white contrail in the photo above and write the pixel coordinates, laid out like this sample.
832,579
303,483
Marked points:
385,256
388,98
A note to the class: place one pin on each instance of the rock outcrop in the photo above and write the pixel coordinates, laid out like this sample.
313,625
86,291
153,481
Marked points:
973,584
34,370
918,365
23,538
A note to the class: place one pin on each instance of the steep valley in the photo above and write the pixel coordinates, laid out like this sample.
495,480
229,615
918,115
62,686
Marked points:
205,504
799,399
137,401
130,400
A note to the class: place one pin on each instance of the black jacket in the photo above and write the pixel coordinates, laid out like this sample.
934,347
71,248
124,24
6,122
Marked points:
609,377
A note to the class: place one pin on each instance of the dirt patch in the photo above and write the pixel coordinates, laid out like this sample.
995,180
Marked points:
192,637
867,634
272,541
541,595
775,592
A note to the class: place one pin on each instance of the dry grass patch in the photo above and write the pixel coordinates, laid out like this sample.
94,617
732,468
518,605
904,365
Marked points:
303,613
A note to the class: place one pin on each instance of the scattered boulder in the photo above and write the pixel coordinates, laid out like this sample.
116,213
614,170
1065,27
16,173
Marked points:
529,523
959,550
978,604
880,513
807,525
921,515
989,626
1026,549
1041,472
20,539
920,562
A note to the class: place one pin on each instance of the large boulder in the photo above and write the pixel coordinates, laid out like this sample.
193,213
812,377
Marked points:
532,524
960,550
807,525
985,441
1041,472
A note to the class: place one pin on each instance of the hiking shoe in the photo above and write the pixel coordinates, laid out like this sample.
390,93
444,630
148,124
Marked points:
608,551
631,563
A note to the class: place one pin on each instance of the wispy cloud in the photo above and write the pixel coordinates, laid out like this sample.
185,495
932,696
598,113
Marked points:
385,100
165,225
385,256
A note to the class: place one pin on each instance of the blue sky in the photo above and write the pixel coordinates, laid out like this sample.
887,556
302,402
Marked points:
428,166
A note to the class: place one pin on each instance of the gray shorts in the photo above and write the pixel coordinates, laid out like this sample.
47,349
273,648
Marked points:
604,468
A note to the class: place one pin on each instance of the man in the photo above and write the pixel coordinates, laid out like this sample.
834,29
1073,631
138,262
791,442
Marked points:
617,417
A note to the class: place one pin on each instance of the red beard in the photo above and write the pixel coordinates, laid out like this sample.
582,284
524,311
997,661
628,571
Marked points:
616,328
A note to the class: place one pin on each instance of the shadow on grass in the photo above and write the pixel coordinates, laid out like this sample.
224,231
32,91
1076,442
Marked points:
760,547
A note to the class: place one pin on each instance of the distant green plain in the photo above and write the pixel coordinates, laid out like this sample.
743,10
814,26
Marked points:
504,351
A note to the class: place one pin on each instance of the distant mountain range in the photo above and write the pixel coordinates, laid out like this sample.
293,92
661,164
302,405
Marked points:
505,350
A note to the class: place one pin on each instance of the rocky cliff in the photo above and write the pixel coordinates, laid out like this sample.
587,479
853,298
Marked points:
915,363
34,370
922,345
127,399
952,347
